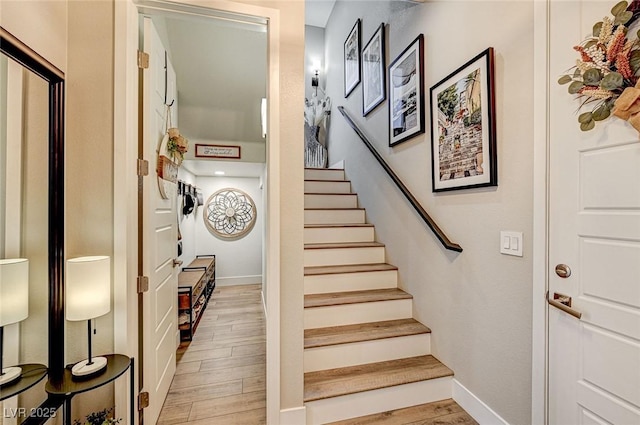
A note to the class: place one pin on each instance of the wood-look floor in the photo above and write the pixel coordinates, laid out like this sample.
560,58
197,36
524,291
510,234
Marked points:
221,374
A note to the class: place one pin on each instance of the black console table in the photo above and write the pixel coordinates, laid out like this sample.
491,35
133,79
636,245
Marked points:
69,386
32,373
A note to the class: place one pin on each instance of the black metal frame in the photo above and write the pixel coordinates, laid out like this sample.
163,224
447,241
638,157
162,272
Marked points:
488,119
444,240
31,60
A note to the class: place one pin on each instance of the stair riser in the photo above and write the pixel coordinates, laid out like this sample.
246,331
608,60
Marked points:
327,187
324,174
331,201
351,314
333,216
382,400
343,282
343,256
338,234
343,355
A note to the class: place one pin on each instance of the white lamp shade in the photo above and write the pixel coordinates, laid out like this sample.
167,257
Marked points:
88,287
14,290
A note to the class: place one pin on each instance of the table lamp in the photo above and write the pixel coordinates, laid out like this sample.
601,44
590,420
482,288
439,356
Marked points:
14,305
87,296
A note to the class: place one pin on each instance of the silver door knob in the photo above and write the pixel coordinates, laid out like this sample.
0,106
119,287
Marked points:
563,271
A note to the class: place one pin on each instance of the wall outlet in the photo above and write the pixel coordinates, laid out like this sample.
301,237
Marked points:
511,243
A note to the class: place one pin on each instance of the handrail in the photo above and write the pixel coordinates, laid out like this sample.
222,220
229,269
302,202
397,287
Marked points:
444,240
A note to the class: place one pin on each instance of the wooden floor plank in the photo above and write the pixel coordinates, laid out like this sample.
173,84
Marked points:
354,297
221,374
353,379
322,337
442,412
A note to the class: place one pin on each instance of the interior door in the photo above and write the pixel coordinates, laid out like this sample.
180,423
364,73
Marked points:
594,243
159,237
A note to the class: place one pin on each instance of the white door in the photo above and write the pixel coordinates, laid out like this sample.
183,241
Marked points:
594,361
159,239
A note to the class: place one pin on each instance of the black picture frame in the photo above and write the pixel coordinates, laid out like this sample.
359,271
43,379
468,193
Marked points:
463,127
374,82
406,93
352,70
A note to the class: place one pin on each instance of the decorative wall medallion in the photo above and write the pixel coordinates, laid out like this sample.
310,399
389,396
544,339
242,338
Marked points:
229,213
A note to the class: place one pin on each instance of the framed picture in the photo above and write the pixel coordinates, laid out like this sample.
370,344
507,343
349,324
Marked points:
463,135
352,59
406,93
217,151
374,86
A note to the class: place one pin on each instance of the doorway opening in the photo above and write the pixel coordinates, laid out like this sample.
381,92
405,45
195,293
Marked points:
209,85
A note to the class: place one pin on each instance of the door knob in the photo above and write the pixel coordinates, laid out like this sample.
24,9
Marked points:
176,262
563,271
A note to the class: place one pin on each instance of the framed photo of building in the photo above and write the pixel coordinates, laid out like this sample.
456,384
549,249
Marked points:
352,59
406,93
374,85
463,135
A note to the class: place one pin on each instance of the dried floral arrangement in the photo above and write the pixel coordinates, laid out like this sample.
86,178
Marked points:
605,76
177,145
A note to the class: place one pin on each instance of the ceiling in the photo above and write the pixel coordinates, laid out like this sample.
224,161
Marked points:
220,66
317,12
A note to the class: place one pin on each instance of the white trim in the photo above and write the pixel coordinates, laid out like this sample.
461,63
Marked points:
272,245
293,416
540,213
239,280
482,413
125,196
338,165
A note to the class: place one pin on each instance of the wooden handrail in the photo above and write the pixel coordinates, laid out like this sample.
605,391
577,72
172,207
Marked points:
444,240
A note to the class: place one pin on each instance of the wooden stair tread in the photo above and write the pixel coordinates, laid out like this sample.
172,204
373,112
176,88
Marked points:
354,379
334,245
334,225
331,193
328,181
322,337
332,208
324,169
354,297
348,268
443,412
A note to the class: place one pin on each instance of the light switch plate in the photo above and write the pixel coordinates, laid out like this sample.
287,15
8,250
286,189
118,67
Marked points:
511,243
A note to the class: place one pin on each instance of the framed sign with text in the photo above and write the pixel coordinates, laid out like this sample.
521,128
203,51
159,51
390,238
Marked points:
217,151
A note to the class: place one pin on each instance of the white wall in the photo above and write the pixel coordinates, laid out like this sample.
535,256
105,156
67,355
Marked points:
237,261
313,57
478,303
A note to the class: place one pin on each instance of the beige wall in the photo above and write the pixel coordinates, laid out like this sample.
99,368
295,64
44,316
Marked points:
477,303
291,197
40,24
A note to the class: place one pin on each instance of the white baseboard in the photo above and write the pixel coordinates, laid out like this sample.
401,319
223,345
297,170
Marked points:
294,416
239,280
338,165
475,407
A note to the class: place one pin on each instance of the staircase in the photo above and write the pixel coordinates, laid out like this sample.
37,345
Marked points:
363,352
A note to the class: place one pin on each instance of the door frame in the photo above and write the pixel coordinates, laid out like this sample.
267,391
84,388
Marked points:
126,234
540,309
